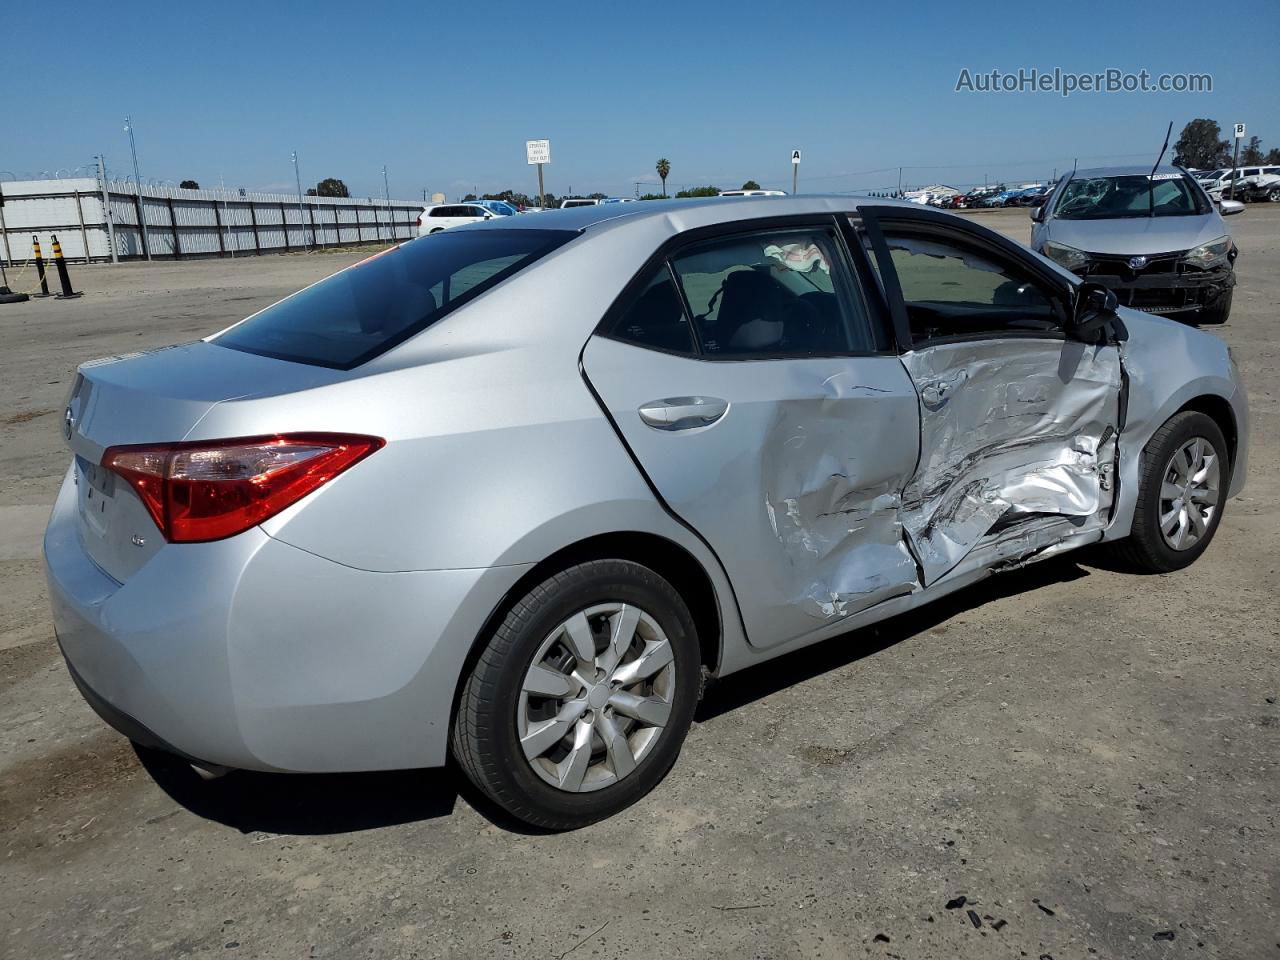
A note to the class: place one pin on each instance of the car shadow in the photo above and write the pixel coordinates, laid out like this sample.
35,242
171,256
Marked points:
319,804
755,683
304,804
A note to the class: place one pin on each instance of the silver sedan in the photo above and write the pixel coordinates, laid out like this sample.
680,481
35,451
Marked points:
512,491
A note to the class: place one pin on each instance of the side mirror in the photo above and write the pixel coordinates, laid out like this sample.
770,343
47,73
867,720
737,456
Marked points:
1230,207
1037,213
1095,312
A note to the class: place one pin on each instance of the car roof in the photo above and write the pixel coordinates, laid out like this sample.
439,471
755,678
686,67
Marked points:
1132,170
687,213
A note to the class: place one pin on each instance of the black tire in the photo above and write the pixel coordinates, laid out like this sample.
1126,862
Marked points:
485,742
1145,549
1218,312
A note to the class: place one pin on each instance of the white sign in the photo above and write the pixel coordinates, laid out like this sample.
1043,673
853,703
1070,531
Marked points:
1239,130
538,151
795,156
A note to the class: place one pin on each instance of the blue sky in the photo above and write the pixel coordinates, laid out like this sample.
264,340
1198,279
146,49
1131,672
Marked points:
446,94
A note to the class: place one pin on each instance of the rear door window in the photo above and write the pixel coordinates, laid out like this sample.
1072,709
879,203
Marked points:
366,309
655,318
781,293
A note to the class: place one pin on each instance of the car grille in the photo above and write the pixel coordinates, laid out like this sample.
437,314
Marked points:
1109,265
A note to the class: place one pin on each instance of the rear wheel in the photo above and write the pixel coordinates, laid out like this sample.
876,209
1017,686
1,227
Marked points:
579,703
1184,478
1218,311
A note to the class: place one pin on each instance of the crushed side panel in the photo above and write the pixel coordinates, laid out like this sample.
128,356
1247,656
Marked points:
1018,441
831,474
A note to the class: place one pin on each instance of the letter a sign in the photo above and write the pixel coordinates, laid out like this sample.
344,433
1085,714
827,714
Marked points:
795,156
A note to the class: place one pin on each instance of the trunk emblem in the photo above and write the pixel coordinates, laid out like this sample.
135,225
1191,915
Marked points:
137,541
1137,263
68,422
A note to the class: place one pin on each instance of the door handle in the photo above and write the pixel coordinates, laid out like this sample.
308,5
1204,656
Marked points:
683,413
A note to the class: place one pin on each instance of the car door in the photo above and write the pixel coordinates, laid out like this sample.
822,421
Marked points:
758,393
1019,422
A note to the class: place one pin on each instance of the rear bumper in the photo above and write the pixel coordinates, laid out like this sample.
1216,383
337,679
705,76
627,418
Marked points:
251,653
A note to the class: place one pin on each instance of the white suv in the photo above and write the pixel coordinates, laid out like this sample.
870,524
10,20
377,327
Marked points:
442,216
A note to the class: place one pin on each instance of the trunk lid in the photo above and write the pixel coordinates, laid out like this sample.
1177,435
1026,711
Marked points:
154,397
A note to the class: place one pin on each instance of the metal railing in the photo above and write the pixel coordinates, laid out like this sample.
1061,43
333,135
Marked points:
97,222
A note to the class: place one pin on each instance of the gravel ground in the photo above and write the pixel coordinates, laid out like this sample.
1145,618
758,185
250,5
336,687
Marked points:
1090,759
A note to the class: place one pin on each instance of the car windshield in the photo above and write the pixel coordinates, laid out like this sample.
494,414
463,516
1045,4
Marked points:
1137,195
366,309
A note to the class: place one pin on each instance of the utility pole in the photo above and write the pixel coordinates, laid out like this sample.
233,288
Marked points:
226,215
137,185
301,219
106,206
386,194
899,181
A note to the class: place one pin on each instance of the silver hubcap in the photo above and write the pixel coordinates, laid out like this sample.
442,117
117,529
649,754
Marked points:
596,698
1189,494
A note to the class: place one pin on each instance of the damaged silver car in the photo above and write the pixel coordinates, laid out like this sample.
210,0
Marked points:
511,492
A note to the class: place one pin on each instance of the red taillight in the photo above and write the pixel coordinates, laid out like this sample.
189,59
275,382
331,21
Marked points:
419,221
208,490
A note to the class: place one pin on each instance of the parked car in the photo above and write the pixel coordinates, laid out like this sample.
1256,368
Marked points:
1154,239
578,202
1261,186
442,216
1028,197
1250,183
998,199
498,207
509,492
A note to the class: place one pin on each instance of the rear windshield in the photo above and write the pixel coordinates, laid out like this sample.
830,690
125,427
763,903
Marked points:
1111,198
368,308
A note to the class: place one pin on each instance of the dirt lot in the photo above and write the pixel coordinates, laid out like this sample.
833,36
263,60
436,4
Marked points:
1092,759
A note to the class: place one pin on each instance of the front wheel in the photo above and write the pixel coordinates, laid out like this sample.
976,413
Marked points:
1183,483
581,699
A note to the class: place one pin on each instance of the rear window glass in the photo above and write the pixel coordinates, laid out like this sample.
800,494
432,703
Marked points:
367,309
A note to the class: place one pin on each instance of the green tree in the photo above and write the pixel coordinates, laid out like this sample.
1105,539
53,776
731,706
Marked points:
700,192
750,185
192,185
663,166
330,187
653,196
1251,152
1273,156
1201,146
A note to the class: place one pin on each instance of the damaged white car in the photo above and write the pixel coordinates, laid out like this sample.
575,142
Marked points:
508,493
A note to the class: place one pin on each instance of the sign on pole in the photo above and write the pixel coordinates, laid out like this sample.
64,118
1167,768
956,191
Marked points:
795,169
538,151
795,156
1235,163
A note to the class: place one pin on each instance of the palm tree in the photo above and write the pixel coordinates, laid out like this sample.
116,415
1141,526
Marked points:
664,171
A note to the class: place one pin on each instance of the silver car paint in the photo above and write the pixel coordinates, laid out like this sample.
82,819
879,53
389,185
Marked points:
1126,235
333,637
